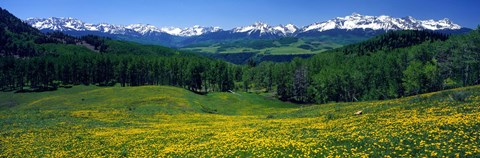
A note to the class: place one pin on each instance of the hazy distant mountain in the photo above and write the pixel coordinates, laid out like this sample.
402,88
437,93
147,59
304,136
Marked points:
354,24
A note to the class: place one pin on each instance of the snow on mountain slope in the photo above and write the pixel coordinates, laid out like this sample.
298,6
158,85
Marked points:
60,24
71,24
286,30
142,28
263,29
171,30
258,26
383,22
197,31
354,21
440,25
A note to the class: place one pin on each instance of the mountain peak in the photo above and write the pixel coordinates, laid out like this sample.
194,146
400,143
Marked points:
383,22
73,24
259,28
410,18
198,30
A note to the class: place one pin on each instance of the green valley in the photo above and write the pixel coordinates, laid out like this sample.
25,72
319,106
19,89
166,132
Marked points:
285,46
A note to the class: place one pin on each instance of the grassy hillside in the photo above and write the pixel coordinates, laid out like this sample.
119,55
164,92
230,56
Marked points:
283,46
166,121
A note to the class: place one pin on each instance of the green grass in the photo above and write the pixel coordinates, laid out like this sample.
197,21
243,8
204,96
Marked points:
279,49
142,99
89,121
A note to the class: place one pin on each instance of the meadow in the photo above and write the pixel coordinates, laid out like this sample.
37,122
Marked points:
162,121
270,47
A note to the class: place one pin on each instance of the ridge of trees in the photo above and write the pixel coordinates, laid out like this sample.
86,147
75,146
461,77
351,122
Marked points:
9,22
49,72
385,67
392,40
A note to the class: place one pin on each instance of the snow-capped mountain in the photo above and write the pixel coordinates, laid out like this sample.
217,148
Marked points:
355,24
264,29
175,31
197,31
171,30
143,28
72,24
258,27
354,21
357,21
288,29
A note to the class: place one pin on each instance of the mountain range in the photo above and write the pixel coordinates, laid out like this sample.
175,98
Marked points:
354,24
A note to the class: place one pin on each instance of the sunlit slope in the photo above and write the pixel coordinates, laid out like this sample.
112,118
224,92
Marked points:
165,121
144,100
284,46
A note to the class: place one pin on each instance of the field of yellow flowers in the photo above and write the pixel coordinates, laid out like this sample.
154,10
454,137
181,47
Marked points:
157,121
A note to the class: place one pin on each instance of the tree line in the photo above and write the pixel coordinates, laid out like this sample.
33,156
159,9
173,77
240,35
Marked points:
48,72
393,65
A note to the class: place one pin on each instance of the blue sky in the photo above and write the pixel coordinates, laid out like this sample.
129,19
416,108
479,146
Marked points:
230,13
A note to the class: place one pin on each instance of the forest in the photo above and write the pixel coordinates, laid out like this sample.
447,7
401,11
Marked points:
392,65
